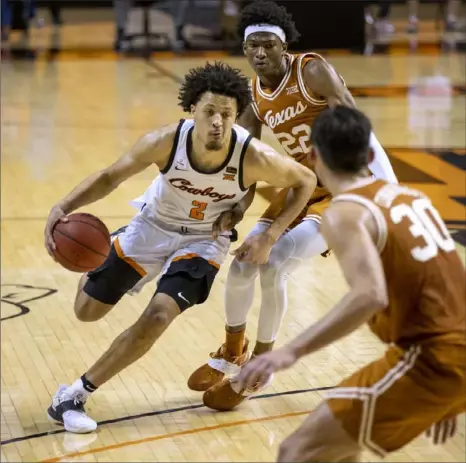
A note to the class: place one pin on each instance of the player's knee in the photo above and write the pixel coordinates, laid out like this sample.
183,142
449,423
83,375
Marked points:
156,316
269,270
284,452
152,322
288,451
161,311
88,309
297,448
301,445
319,438
275,271
242,270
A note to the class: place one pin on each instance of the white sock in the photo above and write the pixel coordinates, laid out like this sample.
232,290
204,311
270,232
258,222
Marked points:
77,389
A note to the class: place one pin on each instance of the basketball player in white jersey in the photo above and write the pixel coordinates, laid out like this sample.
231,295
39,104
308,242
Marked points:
207,164
288,92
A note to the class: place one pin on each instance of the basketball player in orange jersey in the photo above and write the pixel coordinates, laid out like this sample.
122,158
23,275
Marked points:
289,91
406,281
207,164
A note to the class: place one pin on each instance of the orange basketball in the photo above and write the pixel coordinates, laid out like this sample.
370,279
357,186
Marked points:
83,243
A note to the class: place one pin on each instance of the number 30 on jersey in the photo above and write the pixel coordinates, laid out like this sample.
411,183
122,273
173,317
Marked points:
425,223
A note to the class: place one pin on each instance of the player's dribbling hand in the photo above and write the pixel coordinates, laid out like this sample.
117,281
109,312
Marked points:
257,372
226,221
56,215
255,249
440,432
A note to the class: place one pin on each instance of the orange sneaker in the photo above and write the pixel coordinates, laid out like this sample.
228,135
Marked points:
227,395
220,365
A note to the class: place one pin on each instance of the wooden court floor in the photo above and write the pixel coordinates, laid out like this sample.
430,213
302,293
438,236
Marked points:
62,120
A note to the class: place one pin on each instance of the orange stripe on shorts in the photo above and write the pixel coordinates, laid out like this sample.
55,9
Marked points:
127,259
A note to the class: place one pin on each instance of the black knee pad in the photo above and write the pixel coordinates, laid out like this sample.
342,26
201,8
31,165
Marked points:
188,281
112,280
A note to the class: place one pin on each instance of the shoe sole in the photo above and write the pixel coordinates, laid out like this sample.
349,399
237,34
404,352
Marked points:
54,421
50,413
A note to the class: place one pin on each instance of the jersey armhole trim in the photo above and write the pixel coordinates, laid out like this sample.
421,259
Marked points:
302,83
241,162
174,148
255,108
377,214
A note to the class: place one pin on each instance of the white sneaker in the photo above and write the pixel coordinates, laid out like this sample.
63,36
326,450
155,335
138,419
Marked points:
69,411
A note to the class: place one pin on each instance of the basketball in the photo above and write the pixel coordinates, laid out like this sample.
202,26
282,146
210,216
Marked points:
83,243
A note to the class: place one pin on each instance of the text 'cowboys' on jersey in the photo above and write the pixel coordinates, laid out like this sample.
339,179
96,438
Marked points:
186,197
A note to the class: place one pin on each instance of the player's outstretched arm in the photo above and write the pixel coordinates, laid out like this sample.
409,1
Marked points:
249,121
263,163
152,148
350,233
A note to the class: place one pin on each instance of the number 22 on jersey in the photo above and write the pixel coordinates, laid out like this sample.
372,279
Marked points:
426,223
296,142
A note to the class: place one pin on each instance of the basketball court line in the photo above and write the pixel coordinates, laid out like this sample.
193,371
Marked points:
162,412
164,71
176,434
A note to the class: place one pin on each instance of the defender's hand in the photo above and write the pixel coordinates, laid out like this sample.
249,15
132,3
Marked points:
255,249
258,371
440,432
56,215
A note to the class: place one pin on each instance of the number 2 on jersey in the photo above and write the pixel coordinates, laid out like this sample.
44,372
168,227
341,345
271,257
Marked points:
197,211
426,223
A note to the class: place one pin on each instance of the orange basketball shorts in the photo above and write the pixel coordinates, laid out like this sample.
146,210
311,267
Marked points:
391,401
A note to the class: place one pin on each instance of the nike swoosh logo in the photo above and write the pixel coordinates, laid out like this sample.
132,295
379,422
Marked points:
180,295
178,168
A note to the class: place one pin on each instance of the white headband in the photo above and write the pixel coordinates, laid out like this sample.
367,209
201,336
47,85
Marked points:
277,30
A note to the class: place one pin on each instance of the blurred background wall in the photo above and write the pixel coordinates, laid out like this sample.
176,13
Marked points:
142,26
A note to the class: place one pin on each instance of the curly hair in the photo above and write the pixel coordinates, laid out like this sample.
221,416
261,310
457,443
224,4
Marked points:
268,12
218,78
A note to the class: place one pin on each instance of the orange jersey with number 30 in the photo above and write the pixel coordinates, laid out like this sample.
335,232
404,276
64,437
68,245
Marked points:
421,379
424,273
